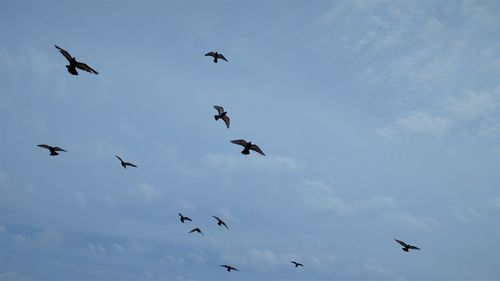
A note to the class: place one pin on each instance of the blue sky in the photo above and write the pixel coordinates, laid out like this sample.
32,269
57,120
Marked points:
380,120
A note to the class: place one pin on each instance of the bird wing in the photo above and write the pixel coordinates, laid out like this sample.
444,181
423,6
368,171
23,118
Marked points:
130,164
216,218
220,109
195,229
59,149
64,53
220,56
224,224
211,54
187,219
121,160
401,243
414,248
84,66
223,265
233,268
226,120
44,146
257,149
240,142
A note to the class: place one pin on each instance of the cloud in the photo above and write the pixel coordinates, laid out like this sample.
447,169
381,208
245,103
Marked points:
417,123
234,163
422,123
261,260
413,222
466,213
472,104
494,203
147,191
473,114
14,276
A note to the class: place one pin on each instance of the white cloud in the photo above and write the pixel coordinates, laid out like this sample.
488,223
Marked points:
14,276
118,247
413,222
147,191
234,163
417,123
466,213
96,249
422,123
472,104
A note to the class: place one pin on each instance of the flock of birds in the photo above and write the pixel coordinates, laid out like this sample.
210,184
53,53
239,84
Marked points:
221,114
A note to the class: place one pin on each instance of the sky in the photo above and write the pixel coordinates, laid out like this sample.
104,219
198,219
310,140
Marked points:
379,120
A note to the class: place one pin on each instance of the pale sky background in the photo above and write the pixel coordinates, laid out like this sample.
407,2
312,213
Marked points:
380,120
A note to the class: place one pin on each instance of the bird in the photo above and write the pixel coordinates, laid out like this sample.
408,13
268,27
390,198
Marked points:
53,149
197,230
74,64
406,247
216,56
183,218
125,164
247,146
220,222
297,264
222,115
228,267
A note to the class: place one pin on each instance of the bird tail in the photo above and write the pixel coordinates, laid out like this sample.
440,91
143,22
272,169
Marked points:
216,117
72,69
215,59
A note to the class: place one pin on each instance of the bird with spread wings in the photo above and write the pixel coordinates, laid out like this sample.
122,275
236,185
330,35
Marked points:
53,149
216,56
247,146
74,64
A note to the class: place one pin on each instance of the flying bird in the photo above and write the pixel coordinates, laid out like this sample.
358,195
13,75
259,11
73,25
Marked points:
222,115
197,230
247,146
183,218
297,264
220,222
228,267
53,149
216,56
74,64
406,247
125,164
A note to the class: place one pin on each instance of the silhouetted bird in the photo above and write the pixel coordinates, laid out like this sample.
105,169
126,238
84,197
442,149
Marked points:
216,56
247,146
297,264
197,230
222,115
406,247
53,149
220,222
228,267
74,64
183,218
125,164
